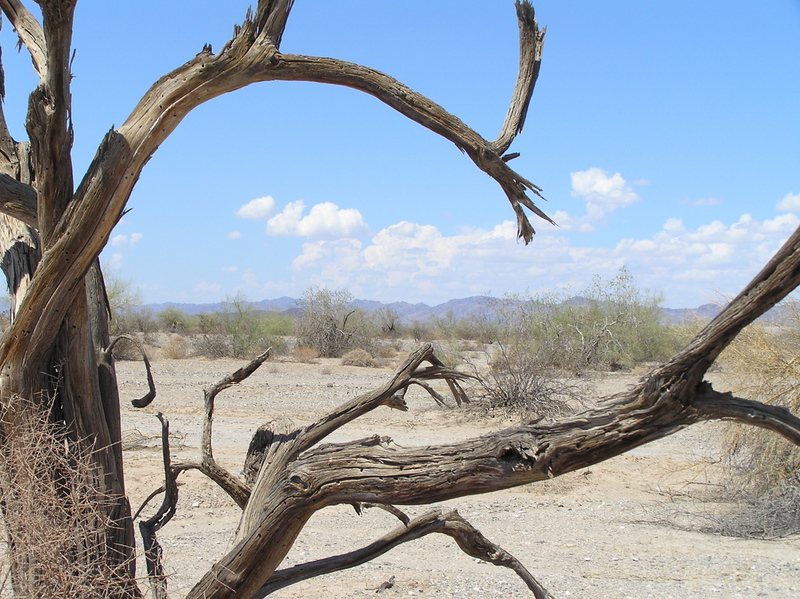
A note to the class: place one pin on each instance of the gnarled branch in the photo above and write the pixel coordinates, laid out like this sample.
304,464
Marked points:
469,539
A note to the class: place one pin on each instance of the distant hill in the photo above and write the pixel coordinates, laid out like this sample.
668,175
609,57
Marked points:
459,308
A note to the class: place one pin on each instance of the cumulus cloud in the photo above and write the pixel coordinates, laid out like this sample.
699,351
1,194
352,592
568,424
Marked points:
258,209
234,235
602,195
597,188
789,203
324,221
230,268
126,241
690,264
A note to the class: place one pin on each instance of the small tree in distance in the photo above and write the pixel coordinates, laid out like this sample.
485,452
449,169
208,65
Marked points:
330,324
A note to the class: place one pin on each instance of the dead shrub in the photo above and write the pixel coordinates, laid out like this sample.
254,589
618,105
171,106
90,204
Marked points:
763,469
359,357
54,512
176,348
212,345
305,354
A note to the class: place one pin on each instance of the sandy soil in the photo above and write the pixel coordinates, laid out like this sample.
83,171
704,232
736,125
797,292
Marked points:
608,531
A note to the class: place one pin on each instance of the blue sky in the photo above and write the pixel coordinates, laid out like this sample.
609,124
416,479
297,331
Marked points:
665,136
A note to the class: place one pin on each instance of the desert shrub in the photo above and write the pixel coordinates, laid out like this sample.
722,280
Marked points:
420,331
466,328
525,373
305,354
174,320
128,317
251,332
388,322
211,345
53,512
359,357
331,325
762,468
177,347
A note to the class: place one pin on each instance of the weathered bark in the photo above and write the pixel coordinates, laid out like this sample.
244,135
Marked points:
36,188
58,346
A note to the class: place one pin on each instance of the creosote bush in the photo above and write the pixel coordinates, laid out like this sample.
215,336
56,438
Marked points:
537,343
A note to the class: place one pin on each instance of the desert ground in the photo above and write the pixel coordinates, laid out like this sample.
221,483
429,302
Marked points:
630,527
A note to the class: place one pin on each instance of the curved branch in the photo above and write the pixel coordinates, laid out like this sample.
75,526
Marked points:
148,398
18,199
469,539
251,56
714,405
531,44
149,528
232,485
425,112
29,30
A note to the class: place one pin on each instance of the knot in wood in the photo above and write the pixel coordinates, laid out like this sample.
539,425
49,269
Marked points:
519,456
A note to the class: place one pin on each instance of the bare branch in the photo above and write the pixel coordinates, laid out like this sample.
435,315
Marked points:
531,44
18,200
29,30
714,405
423,111
232,485
388,394
450,523
148,398
149,528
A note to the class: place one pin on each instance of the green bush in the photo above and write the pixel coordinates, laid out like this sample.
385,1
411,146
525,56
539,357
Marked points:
174,320
251,332
537,343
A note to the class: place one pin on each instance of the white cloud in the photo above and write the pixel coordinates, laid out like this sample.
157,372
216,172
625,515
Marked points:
789,203
406,259
234,235
126,241
601,193
324,221
258,209
596,187
115,262
230,268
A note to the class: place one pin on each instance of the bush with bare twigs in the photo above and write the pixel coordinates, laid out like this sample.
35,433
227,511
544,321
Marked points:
764,469
331,325
359,357
52,502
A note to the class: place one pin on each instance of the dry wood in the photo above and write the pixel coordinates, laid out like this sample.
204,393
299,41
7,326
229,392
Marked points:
55,346
467,537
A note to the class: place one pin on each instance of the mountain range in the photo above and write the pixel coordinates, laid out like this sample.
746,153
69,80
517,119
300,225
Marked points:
420,312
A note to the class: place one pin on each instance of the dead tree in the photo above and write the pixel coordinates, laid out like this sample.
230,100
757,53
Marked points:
56,353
